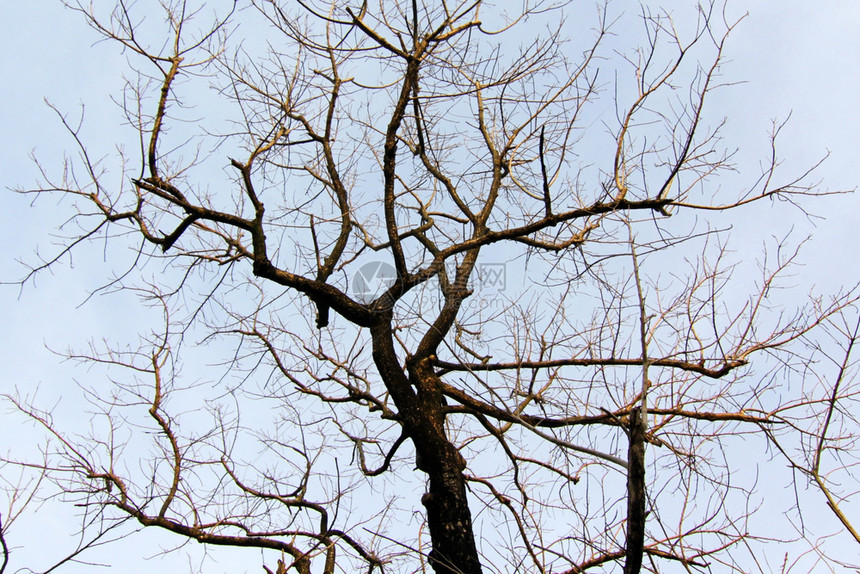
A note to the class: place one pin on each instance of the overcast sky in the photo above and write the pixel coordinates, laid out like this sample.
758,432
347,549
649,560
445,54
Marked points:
795,56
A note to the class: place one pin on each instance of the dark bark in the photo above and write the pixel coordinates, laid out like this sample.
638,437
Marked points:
449,518
635,494
420,403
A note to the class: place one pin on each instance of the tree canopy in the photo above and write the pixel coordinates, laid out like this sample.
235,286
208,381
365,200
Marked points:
465,273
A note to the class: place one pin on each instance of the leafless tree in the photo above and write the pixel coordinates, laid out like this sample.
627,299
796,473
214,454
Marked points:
445,277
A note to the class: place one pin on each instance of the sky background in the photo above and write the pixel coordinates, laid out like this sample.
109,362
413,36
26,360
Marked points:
793,57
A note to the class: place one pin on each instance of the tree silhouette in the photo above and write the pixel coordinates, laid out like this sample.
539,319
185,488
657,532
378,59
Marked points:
444,281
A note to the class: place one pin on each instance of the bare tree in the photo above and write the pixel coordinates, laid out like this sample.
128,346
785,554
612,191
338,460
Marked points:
443,280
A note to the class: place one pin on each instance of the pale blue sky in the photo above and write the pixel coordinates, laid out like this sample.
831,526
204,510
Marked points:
795,56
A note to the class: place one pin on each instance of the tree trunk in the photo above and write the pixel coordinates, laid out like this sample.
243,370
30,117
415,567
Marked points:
635,494
448,516
420,405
